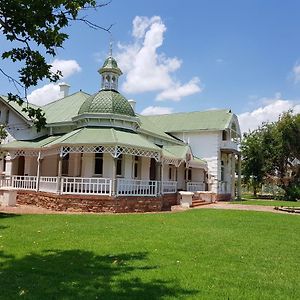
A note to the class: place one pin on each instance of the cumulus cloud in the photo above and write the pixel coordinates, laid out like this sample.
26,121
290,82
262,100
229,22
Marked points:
147,70
157,110
45,94
51,91
67,67
177,91
267,113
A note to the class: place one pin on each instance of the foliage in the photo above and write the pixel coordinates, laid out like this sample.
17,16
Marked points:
36,29
272,152
3,133
225,255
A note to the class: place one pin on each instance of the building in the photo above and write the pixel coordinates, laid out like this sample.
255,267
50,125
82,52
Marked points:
96,148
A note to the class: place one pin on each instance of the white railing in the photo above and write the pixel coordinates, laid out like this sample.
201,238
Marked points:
168,187
5,182
132,187
48,184
23,182
223,187
229,145
195,186
91,186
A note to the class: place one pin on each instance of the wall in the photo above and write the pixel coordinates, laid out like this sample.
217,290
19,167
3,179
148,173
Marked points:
77,203
205,145
49,165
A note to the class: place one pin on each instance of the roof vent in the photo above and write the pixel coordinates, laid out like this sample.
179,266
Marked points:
63,90
132,103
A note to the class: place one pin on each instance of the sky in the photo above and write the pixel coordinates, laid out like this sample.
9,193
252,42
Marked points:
196,55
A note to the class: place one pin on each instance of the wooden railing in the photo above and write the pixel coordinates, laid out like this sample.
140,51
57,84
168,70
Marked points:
168,187
48,184
195,186
23,182
132,187
81,185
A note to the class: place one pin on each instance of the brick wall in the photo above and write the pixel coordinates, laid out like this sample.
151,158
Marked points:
85,203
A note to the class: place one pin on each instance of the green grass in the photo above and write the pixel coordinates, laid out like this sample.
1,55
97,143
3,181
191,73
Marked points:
198,254
267,202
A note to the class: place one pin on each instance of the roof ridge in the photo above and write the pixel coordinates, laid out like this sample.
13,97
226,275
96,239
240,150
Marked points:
189,112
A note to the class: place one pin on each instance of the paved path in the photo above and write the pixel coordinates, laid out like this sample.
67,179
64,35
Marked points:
31,209
228,205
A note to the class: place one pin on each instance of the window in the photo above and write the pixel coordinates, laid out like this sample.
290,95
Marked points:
65,165
7,117
120,165
136,167
190,174
224,135
222,170
98,168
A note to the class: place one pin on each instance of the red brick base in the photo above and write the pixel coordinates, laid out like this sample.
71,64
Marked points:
82,203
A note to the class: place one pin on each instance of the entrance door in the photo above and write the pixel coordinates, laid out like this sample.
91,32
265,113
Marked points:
21,165
152,174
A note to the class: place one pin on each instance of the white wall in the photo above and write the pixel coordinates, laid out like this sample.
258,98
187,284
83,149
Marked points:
145,169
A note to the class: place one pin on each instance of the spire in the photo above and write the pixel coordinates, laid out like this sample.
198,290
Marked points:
110,71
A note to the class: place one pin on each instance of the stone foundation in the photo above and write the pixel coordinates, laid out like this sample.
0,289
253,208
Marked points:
87,203
223,197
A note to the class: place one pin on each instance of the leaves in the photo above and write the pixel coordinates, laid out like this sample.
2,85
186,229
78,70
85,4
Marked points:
37,26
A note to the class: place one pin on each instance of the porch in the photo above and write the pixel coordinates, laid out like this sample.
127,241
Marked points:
96,186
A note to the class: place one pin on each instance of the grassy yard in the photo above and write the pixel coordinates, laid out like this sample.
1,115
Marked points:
265,202
198,254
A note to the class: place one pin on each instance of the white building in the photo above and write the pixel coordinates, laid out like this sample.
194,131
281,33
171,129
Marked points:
98,147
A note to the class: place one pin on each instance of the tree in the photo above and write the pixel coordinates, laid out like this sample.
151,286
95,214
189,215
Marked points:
253,159
273,151
36,28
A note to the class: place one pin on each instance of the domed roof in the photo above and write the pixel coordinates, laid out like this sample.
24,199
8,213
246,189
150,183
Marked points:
110,64
107,102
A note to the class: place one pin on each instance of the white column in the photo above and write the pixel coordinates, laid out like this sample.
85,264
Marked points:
114,181
239,183
38,175
232,177
59,171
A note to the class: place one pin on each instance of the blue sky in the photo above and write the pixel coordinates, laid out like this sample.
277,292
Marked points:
238,54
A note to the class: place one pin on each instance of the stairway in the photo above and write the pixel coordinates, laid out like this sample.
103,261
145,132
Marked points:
199,202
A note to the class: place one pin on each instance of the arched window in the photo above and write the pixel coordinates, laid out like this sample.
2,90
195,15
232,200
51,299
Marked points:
120,165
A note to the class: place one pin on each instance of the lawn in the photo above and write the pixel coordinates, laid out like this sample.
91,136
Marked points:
197,254
265,202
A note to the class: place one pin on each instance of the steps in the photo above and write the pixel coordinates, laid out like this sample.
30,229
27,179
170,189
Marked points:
199,202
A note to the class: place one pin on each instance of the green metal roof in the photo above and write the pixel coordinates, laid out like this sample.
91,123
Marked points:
110,64
199,120
104,136
32,144
18,108
176,151
107,102
63,110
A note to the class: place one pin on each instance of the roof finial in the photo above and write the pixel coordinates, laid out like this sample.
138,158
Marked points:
110,45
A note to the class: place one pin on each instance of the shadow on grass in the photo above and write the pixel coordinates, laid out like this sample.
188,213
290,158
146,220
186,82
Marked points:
7,215
77,274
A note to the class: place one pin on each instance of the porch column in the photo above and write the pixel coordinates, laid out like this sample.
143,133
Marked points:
232,176
114,181
38,172
59,170
186,177
161,178
239,185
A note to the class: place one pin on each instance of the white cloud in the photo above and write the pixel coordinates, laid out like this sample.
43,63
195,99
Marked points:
178,91
67,67
157,110
51,91
267,113
147,70
45,94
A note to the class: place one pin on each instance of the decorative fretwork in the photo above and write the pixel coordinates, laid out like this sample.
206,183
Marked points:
115,151
16,153
172,161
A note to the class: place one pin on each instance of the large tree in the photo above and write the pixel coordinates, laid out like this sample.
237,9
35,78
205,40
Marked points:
36,30
273,151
